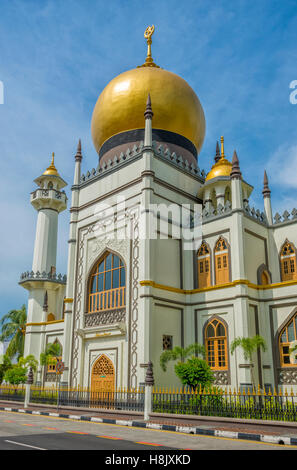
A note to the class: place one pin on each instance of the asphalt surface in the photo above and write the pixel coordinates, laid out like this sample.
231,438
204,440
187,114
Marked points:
31,432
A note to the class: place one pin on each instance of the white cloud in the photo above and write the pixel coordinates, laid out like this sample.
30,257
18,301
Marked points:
282,167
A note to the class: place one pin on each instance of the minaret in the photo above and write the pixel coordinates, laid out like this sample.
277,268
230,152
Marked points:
49,201
267,201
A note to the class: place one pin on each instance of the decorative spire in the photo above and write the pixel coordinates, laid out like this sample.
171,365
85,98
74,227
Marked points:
235,173
78,156
149,377
52,170
148,36
148,110
218,154
266,191
45,302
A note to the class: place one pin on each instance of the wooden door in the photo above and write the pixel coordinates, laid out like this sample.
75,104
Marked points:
103,376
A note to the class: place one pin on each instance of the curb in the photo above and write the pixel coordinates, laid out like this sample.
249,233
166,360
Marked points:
281,440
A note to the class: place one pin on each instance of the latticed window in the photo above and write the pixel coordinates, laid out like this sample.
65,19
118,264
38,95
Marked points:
204,266
107,287
222,261
167,342
288,262
216,345
287,336
52,365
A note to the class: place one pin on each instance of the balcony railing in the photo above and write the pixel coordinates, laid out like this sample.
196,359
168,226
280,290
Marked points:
38,276
107,300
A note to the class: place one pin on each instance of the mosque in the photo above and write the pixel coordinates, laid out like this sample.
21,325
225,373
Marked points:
127,297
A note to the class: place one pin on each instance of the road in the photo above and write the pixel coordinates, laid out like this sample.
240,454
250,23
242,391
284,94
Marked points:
32,432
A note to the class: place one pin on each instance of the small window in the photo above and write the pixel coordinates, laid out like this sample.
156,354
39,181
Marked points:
167,342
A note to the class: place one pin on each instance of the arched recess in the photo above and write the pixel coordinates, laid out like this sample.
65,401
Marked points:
286,338
51,367
204,265
103,375
106,285
288,264
213,197
263,275
222,261
215,333
228,195
51,317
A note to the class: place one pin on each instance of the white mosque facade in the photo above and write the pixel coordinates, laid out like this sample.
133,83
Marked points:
127,297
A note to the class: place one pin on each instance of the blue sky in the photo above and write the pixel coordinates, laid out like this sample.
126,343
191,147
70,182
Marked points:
56,57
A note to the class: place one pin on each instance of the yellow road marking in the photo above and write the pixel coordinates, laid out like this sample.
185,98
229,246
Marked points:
150,444
111,437
77,432
191,436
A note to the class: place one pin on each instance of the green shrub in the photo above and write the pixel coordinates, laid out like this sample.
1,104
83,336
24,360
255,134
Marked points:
194,372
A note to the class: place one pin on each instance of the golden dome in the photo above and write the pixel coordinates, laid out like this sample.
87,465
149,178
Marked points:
222,167
121,105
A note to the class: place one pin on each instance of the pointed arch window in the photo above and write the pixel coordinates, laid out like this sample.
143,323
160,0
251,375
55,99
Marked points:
51,367
216,345
222,262
203,259
287,339
288,262
107,284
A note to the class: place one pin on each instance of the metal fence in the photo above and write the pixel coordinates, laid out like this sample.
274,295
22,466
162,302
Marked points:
279,405
12,393
122,399
250,404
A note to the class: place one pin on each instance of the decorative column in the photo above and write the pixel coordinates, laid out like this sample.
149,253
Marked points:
146,253
69,305
237,232
28,387
149,383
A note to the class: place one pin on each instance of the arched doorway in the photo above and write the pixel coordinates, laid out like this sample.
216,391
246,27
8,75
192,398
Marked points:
103,376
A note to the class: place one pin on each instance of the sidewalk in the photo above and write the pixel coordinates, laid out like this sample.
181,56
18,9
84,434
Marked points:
265,431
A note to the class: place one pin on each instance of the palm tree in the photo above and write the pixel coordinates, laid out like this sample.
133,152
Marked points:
249,346
181,354
13,328
52,352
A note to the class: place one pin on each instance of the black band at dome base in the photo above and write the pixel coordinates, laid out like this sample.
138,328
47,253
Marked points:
137,135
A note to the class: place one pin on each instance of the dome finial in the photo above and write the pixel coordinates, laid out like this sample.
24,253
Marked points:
222,148
148,36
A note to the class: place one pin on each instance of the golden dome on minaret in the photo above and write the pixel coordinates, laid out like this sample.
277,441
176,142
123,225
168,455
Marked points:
121,104
51,170
222,167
